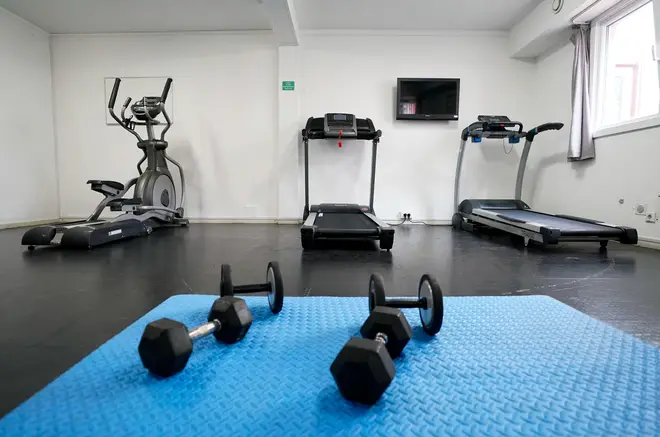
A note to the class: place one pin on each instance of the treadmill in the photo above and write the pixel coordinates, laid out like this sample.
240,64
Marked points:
515,216
341,221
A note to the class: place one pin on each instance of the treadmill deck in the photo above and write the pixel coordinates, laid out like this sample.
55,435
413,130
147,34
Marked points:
515,217
344,221
560,223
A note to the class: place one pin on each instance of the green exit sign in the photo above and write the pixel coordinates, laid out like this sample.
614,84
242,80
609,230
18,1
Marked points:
288,85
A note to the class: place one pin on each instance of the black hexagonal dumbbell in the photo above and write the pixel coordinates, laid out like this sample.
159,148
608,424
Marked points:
274,286
166,344
364,368
429,301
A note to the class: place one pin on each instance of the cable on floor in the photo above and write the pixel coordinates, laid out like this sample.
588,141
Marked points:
421,222
398,224
413,222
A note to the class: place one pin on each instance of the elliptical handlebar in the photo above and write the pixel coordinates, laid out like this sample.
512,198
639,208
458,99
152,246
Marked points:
163,99
127,123
181,177
123,110
113,95
123,121
166,90
167,120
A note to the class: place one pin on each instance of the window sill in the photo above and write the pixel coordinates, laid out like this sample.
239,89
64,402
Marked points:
629,126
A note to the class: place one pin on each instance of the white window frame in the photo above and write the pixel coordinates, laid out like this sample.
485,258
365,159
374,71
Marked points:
599,67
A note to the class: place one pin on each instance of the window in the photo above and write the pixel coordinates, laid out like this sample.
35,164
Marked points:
626,75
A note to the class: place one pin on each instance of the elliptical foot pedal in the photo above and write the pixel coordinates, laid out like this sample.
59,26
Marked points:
39,236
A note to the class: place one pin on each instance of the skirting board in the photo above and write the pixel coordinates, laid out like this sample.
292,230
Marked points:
280,221
284,221
28,224
268,221
297,221
649,243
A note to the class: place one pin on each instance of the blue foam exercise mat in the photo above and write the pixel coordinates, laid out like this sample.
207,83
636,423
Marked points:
501,366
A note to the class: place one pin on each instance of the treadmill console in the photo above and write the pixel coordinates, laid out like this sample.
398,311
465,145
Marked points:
494,118
494,126
337,125
342,126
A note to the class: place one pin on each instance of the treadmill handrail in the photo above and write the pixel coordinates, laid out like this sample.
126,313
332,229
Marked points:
542,128
529,139
480,129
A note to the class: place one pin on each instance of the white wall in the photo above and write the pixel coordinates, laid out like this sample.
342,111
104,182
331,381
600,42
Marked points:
225,105
27,146
543,29
416,162
228,112
626,165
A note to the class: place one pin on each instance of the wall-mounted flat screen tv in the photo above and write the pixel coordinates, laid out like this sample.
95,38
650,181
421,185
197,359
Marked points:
427,99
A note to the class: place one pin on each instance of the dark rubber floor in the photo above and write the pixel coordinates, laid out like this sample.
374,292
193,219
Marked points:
57,306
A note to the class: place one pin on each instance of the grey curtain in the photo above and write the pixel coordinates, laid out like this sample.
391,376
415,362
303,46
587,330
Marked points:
581,143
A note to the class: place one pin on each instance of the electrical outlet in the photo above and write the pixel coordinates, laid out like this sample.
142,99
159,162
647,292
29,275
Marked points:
640,209
651,217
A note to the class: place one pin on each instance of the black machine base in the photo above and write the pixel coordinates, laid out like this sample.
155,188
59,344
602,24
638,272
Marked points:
85,236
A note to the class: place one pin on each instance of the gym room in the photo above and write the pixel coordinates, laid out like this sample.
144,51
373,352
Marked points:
330,217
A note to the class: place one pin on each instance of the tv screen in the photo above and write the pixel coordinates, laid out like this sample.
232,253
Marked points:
427,99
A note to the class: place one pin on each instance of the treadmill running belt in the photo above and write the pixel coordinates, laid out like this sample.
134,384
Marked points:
557,222
344,221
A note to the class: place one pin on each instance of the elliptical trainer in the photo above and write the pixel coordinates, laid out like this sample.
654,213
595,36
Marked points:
154,202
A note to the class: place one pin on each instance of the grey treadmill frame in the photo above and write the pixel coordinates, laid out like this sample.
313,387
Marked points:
528,230
374,156
386,231
521,165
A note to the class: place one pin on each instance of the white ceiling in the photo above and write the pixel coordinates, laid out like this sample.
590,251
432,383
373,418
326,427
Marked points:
107,16
103,16
412,14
